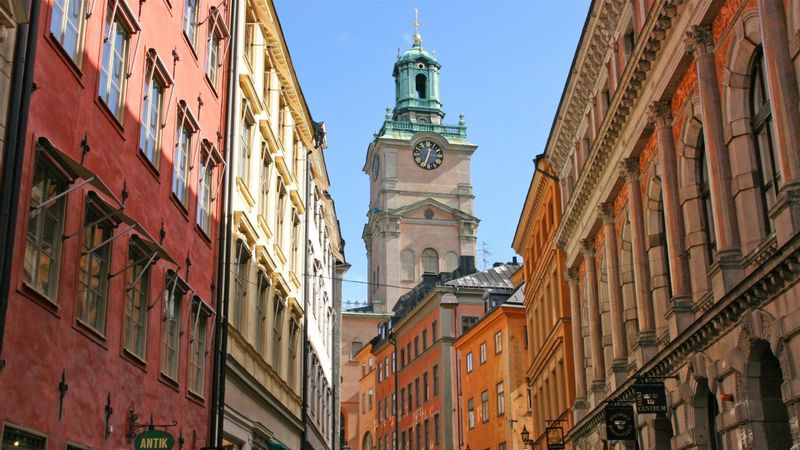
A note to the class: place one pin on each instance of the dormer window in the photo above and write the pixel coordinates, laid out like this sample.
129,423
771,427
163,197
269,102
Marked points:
422,83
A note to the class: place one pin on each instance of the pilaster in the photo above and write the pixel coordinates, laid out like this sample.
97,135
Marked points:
595,321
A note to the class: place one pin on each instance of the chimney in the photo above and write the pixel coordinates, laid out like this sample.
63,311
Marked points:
514,260
429,278
497,264
466,265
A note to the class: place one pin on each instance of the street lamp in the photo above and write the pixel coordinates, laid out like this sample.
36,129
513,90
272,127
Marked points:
526,436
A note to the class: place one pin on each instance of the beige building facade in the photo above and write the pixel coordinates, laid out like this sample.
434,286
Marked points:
676,145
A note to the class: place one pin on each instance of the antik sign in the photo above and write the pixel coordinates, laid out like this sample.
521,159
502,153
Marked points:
154,439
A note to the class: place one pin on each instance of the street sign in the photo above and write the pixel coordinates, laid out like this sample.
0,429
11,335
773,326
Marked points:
650,398
153,440
620,423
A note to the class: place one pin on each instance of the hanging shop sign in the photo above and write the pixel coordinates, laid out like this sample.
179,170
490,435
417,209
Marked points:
555,438
650,397
620,423
153,440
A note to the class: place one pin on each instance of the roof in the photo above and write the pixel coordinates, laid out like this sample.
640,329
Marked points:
416,53
496,277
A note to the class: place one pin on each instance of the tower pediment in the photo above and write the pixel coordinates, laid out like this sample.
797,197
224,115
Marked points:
423,208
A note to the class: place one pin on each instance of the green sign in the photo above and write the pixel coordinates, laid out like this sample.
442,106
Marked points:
154,440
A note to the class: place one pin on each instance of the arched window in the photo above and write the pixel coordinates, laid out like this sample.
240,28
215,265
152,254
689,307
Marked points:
451,261
761,121
408,265
705,203
430,261
422,85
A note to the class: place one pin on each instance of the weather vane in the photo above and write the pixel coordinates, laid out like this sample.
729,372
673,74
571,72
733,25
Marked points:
417,25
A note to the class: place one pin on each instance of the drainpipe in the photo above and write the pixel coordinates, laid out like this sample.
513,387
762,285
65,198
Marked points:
306,344
14,154
396,366
217,415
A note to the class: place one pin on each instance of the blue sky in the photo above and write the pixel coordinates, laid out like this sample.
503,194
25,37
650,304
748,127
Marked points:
504,64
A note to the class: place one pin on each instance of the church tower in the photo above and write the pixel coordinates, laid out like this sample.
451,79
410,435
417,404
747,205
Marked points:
420,217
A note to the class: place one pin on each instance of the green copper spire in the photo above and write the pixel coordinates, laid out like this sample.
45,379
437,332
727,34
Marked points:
416,74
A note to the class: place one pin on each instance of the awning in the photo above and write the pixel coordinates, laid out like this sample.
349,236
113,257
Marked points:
276,445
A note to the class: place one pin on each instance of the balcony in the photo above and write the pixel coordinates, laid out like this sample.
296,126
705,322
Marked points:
396,129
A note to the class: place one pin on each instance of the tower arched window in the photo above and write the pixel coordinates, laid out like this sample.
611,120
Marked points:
408,263
422,85
430,261
761,121
705,203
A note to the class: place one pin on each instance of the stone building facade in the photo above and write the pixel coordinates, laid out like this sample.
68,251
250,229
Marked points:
548,313
283,224
676,143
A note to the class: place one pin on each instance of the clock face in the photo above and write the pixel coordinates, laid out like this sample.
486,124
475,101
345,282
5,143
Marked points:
376,165
428,155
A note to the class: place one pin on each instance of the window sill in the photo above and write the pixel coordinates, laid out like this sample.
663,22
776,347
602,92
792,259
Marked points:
151,167
202,233
212,85
189,43
134,359
74,67
88,331
42,300
178,204
168,381
115,121
194,397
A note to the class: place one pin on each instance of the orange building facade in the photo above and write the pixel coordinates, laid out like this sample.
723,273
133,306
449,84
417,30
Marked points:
492,387
366,402
547,309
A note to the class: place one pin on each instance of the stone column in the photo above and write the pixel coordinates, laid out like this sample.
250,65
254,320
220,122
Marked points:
783,98
578,353
629,169
595,322
619,342
680,308
728,270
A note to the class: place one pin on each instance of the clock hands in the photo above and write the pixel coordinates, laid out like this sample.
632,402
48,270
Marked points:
428,156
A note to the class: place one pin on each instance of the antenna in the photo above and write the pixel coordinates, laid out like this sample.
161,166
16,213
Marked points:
485,254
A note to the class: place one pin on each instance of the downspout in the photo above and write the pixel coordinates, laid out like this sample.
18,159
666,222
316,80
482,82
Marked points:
14,154
396,366
217,418
305,304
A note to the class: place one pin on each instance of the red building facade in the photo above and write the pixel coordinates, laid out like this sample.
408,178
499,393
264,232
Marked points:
111,309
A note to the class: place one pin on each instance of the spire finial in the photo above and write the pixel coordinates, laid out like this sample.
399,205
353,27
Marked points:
416,24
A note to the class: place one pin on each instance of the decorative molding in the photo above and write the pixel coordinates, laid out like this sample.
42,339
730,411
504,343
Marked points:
629,169
659,113
699,41
606,211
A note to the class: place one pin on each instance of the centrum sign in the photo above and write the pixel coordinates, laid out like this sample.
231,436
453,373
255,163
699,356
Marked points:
154,440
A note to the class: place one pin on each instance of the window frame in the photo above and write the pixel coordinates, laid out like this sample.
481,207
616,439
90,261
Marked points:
469,362
185,133
93,312
118,16
198,348
137,254
484,406
482,353
150,128
189,22
76,53
500,398
471,413
175,288
498,342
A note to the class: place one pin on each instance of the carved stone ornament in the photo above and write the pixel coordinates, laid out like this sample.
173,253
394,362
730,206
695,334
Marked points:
587,246
572,277
606,211
700,41
660,113
629,169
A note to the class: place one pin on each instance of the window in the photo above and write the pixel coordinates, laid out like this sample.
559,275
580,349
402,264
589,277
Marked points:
369,399
394,404
402,357
501,399
407,263
424,340
67,25
769,176
386,408
386,367
436,432
261,312
402,401
14,438
45,229
408,352
421,84
170,326
403,440
294,336
150,132
430,261
471,413
483,352
264,182
425,386
380,411
190,8
137,295
427,433
419,437
380,372
296,260
705,196
204,195
241,268
467,322
180,166
436,380
485,406
498,342
277,332
434,332
197,349
212,58
394,362
469,362
114,65
502,446
355,346
416,346
416,391
94,268
280,211
246,137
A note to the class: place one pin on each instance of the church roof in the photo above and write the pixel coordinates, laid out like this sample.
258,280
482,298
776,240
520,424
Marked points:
498,276
416,53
